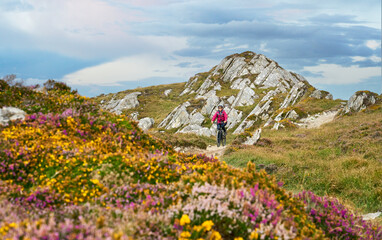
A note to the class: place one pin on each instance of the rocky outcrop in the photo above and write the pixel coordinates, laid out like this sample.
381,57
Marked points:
146,123
197,129
251,74
320,94
254,138
245,97
8,114
118,105
134,116
361,100
178,117
167,92
295,93
254,89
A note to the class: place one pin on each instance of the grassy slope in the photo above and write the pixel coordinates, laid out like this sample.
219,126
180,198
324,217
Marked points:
153,102
341,159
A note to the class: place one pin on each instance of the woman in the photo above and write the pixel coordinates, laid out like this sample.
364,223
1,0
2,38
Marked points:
221,117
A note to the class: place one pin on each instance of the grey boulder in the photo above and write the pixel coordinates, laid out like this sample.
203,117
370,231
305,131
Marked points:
146,123
8,114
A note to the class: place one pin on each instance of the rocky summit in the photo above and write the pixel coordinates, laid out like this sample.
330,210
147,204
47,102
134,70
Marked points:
254,89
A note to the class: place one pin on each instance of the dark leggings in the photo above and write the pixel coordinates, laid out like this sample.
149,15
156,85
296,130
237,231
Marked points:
222,126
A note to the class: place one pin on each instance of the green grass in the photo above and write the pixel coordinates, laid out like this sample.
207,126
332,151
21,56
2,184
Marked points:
341,159
153,103
313,105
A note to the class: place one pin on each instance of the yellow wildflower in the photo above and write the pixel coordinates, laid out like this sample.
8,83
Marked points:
238,238
197,228
185,235
216,236
94,181
184,220
254,235
208,225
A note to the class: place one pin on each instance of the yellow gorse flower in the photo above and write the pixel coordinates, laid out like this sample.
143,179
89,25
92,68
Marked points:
184,220
254,235
208,225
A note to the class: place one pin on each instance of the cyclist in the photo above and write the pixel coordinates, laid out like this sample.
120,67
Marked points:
221,117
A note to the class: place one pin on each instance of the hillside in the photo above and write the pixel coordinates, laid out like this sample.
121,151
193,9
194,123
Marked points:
70,170
341,158
255,90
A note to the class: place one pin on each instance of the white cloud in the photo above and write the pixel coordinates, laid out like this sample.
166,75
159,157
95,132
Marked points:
137,68
373,58
229,46
84,29
372,44
337,74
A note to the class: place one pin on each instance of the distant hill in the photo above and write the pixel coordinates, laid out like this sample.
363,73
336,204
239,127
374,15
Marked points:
255,90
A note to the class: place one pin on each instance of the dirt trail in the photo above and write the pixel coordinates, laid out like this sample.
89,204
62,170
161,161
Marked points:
210,151
319,119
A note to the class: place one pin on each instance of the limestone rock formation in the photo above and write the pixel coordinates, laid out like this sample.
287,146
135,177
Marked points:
134,116
167,92
118,105
360,100
8,114
254,138
146,123
242,80
197,129
254,89
178,117
320,94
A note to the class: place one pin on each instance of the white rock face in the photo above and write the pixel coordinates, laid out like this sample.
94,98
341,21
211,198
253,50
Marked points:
205,86
167,92
318,94
146,123
247,72
245,97
218,87
234,117
296,92
240,83
360,100
196,118
134,116
197,129
261,111
265,73
255,137
211,103
231,99
235,69
8,114
371,216
178,117
118,105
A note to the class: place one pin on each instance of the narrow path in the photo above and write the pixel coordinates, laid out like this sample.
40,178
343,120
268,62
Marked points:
317,120
211,151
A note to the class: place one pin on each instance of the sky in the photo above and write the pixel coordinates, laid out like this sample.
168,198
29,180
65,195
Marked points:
103,46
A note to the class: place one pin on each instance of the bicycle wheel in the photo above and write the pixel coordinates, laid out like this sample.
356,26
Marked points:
218,138
224,140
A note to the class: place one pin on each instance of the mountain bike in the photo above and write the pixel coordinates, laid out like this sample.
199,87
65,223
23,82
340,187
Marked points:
220,137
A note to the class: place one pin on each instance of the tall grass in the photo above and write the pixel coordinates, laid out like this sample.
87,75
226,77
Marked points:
341,159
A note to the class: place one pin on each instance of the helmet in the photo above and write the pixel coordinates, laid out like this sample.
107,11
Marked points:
220,106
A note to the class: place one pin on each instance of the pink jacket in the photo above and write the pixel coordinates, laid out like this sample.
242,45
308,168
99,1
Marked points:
221,116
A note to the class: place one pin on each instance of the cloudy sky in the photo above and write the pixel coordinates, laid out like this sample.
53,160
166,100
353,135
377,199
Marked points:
101,46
